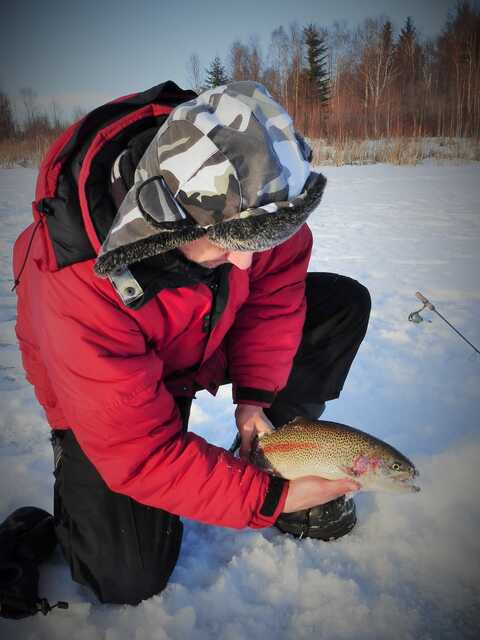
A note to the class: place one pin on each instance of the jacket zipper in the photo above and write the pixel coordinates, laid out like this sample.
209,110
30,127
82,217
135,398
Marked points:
208,319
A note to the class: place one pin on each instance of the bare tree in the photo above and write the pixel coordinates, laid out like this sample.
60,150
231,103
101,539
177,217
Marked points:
270,79
194,73
457,71
296,66
376,67
7,123
255,59
29,100
56,115
238,61
278,57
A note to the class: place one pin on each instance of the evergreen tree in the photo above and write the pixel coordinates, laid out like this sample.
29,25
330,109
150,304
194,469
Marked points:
408,32
216,74
408,52
316,71
387,38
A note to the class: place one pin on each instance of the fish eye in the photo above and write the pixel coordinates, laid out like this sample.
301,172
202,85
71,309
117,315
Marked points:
396,466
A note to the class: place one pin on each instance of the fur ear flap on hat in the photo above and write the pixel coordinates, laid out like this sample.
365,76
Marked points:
262,231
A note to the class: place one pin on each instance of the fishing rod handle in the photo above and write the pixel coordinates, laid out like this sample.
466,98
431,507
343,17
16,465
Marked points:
425,301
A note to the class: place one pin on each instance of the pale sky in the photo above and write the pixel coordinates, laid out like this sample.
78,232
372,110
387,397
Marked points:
88,52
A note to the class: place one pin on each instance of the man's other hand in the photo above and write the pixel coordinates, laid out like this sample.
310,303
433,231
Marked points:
250,421
311,491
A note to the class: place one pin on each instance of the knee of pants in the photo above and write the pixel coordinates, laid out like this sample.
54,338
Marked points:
361,302
355,299
331,294
123,550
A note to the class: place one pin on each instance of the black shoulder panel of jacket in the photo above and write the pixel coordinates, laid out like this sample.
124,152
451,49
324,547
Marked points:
167,93
64,220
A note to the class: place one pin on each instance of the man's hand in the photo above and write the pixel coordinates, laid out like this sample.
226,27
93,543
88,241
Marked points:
310,491
250,421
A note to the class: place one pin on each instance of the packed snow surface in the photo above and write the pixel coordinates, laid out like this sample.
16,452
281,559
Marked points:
411,568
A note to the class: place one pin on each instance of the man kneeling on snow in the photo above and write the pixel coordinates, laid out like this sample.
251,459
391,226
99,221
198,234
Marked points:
169,255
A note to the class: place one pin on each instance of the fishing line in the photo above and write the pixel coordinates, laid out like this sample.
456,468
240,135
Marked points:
417,318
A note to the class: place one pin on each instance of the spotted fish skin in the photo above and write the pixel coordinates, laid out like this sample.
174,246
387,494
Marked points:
333,450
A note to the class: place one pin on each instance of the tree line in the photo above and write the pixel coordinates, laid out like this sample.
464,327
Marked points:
340,83
37,121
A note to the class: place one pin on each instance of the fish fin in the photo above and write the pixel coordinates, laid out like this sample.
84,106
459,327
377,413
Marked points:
295,420
349,471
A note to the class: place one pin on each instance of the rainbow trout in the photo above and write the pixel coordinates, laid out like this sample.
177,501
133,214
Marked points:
332,450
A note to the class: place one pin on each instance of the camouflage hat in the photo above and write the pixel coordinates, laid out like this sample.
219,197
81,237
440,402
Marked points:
228,165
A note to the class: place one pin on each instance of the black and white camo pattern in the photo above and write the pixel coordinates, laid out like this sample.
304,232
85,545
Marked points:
228,164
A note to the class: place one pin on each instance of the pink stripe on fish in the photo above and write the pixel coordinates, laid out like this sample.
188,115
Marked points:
285,447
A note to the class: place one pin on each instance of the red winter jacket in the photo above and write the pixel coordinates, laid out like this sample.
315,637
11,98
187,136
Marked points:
110,373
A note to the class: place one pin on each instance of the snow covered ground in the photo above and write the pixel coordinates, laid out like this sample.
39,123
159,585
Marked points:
411,568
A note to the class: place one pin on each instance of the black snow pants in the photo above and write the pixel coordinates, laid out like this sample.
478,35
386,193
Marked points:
126,551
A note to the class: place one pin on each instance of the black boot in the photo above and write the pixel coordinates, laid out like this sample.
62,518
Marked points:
325,522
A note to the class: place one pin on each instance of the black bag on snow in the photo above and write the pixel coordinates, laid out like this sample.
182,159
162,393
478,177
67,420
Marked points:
27,538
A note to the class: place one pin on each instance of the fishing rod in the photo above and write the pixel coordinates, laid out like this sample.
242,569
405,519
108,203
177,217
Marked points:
416,317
